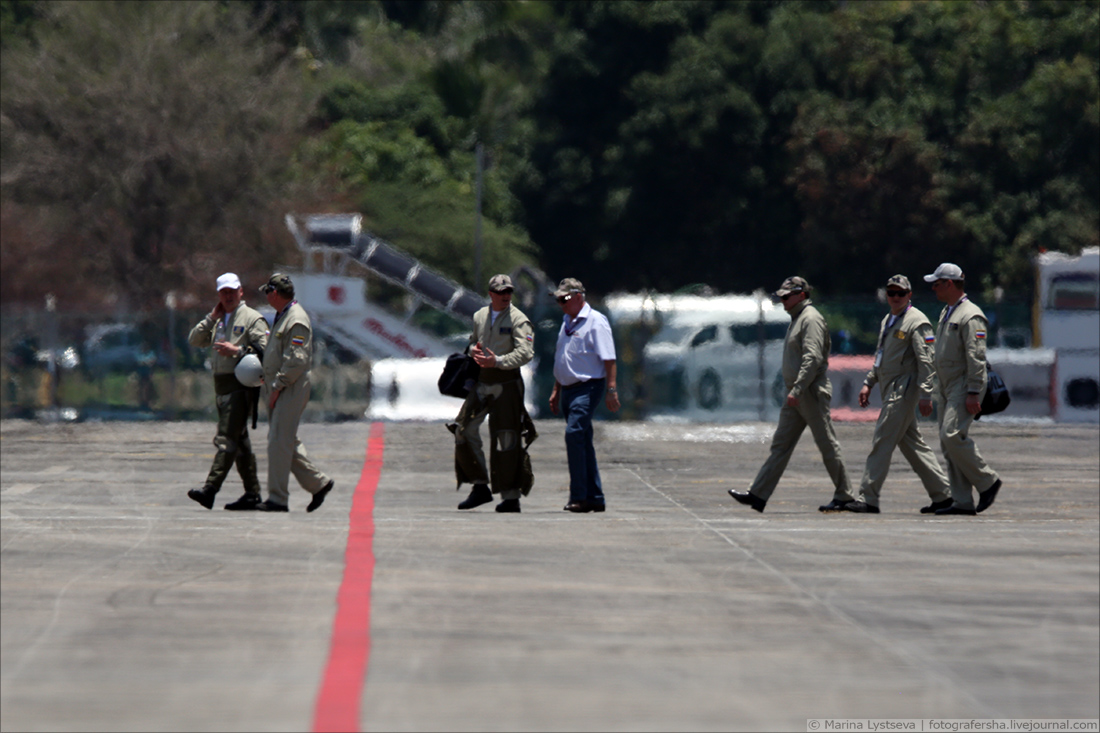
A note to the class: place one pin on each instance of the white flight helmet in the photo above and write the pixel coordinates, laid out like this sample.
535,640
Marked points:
249,371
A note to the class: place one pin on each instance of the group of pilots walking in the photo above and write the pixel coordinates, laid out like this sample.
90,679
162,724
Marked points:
914,363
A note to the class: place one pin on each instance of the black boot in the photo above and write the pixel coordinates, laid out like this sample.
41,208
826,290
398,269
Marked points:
204,496
479,495
246,503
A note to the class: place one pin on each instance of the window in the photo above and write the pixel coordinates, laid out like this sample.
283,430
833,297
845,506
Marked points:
707,334
1074,291
749,333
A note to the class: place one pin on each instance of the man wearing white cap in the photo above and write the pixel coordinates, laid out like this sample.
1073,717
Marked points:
233,330
960,366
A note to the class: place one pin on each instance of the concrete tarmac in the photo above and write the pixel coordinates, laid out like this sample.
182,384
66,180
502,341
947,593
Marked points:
126,606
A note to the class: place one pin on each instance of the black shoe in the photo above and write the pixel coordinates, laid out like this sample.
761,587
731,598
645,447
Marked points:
836,505
204,496
479,495
987,497
269,506
246,503
936,506
955,509
861,507
319,498
578,507
749,500
509,506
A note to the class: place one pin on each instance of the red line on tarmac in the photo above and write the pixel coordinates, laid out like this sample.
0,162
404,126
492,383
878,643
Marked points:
341,692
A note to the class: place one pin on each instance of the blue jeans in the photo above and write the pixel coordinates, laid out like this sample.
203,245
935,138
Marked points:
578,402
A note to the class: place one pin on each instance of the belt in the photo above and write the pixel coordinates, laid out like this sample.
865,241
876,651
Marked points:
583,382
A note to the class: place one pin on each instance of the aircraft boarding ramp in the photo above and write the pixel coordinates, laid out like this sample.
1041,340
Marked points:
343,235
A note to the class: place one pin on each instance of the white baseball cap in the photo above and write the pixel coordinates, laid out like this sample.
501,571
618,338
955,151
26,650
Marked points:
229,280
946,271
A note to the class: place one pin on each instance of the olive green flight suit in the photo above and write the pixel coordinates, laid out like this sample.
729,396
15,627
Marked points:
805,367
905,374
247,329
960,366
498,395
287,361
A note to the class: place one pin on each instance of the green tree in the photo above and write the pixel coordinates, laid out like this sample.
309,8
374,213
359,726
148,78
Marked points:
657,163
399,124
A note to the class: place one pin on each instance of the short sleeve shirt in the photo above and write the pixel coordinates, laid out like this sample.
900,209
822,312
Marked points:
583,347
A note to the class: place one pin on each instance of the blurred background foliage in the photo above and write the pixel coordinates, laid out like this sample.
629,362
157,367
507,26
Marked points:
147,147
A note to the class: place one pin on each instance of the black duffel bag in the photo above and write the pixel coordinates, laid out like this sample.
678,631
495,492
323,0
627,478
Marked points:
996,393
459,376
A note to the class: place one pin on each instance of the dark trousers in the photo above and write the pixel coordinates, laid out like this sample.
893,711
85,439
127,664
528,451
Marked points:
234,447
578,402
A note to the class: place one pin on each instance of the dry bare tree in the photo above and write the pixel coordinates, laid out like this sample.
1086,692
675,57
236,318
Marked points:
153,138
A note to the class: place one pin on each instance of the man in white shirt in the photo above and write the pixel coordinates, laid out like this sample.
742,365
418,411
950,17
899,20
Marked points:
584,370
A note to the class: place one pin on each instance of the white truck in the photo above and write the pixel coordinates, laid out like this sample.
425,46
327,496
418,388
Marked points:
710,358
1067,320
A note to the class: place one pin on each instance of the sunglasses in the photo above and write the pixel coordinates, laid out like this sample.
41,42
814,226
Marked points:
896,293
502,292
563,299
788,296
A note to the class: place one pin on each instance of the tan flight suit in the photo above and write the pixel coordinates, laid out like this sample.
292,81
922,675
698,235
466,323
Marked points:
905,374
246,329
960,366
498,395
805,367
287,361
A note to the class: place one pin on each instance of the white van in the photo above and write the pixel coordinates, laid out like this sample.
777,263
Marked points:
710,357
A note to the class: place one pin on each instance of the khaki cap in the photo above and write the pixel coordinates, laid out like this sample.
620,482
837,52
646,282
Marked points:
899,281
568,286
280,283
499,283
793,285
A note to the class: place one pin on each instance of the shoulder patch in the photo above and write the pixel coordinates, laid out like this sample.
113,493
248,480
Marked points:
979,334
930,338
297,340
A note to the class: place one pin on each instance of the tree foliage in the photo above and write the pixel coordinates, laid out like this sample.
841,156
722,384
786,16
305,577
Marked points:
632,144
846,141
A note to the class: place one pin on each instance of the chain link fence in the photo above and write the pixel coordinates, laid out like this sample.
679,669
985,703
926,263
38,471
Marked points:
81,365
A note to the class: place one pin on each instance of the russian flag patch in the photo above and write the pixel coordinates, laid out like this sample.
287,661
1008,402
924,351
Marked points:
530,338
979,334
299,341
930,339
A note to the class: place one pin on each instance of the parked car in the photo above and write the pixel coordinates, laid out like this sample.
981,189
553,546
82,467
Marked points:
710,354
119,347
